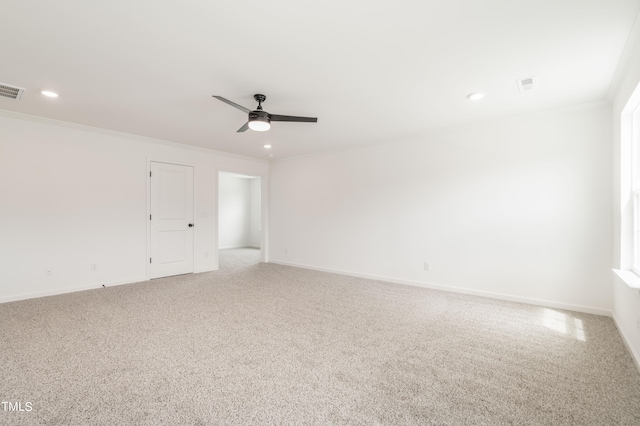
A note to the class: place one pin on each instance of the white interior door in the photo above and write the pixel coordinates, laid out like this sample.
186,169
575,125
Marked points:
171,220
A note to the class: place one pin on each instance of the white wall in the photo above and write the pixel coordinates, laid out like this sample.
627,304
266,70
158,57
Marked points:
239,211
71,196
626,302
518,208
255,212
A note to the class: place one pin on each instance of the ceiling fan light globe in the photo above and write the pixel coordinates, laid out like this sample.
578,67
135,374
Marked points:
259,125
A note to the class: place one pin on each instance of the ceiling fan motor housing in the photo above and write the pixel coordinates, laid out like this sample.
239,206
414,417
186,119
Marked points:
258,115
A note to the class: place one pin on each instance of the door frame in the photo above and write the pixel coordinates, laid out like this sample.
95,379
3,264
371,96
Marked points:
264,210
148,186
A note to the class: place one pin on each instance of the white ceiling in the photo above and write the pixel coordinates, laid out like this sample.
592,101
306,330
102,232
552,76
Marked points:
371,71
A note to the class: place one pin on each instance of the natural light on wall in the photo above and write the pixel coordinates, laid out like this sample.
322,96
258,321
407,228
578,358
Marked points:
563,323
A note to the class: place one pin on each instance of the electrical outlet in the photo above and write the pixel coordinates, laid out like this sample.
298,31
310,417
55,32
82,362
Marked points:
427,266
48,271
206,254
94,267
286,251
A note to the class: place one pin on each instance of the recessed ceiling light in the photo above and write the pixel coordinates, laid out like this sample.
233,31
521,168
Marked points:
476,96
267,146
49,94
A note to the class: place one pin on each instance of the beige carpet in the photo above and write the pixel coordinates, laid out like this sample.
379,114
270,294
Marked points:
268,344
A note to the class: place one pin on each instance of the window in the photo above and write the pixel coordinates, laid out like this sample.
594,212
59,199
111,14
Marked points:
634,129
636,231
628,263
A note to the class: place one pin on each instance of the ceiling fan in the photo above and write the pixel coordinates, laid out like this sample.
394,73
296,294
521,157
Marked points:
259,119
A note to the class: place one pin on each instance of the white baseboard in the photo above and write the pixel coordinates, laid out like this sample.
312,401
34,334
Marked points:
627,342
434,286
237,247
55,292
492,295
199,271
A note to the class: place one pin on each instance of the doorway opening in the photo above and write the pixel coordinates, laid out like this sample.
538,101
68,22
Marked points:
239,217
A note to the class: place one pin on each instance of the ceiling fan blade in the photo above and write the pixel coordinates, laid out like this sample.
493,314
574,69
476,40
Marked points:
233,104
276,117
243,128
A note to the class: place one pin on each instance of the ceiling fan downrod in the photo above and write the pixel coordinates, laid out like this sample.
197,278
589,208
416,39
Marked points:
260,99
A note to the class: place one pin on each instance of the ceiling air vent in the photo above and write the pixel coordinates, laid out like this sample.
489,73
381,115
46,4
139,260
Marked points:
11,92
526,84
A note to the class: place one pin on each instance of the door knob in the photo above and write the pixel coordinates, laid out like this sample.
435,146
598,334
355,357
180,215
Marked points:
191,225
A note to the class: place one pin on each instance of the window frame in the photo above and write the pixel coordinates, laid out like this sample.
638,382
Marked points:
635,188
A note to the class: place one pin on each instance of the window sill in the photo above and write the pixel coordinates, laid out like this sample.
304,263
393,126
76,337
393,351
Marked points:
629,278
